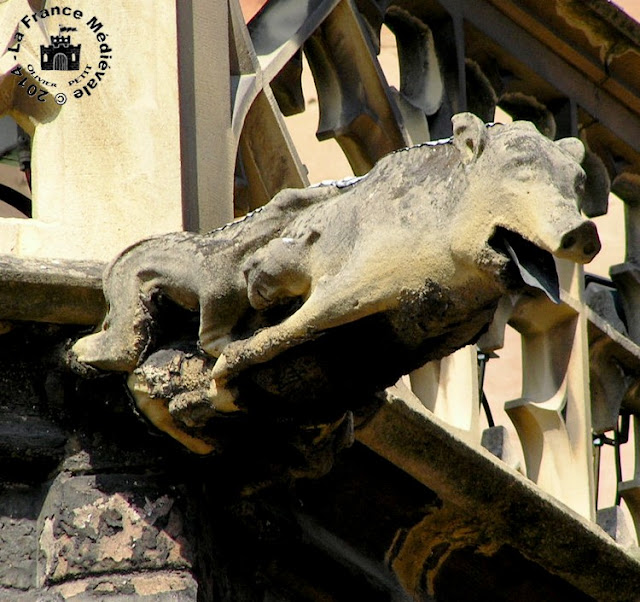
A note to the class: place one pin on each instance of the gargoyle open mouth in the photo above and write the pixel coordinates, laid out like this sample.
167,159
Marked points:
536,266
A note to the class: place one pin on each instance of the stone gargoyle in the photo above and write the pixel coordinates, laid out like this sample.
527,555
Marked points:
329,294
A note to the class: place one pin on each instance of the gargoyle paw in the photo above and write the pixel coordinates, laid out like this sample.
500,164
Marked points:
84,349
98,350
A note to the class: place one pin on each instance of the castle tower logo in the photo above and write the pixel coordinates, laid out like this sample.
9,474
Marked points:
61,54
74,63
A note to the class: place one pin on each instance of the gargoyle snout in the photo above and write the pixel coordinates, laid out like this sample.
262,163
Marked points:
581,244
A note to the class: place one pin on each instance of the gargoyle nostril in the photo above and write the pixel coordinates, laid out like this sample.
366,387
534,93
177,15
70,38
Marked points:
590,249
568,242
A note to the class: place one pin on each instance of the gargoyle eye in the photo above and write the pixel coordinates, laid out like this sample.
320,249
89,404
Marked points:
517,163
523,174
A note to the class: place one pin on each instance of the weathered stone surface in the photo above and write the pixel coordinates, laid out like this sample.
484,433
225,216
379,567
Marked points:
53,420
108,524
163,586
511,508
31,596
160,586
17,552
19,509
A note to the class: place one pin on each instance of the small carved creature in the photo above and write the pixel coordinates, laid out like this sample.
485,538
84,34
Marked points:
428,242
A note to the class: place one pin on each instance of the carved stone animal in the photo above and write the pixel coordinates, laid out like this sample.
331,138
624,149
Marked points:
417,253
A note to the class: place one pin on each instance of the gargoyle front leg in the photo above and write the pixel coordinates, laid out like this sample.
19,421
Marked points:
333,303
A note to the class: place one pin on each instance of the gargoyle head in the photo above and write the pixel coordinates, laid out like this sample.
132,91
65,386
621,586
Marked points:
521,203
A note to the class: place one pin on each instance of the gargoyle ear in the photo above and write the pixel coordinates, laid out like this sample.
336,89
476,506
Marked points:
573,147
469,136
595,200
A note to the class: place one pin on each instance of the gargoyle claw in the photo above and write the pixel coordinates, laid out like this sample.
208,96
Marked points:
231,362
221,370
223,399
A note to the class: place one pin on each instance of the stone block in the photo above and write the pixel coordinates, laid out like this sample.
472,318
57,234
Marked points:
19,508
109,524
